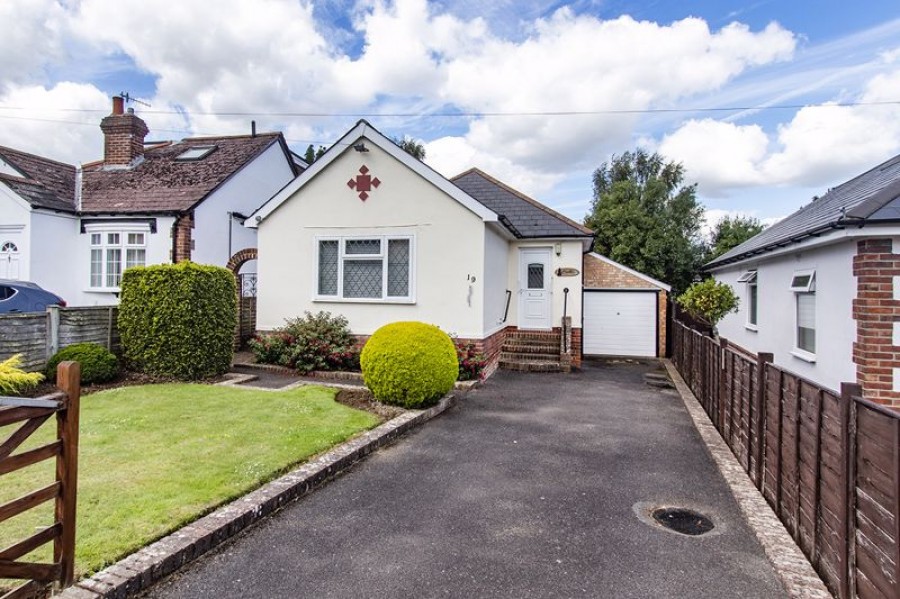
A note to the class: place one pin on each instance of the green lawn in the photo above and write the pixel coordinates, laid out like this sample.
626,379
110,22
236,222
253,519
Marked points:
155,457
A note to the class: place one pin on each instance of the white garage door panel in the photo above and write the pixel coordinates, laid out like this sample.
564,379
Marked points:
619,323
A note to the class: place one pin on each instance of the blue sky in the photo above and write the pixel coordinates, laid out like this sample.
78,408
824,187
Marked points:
636,74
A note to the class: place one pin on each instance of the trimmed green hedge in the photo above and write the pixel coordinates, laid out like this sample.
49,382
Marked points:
98,364
178,320
410,364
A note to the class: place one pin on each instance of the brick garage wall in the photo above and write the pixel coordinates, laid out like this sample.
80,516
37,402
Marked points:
598,274
876,312
182,239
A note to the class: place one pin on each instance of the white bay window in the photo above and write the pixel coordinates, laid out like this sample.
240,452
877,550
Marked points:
111,253
372,268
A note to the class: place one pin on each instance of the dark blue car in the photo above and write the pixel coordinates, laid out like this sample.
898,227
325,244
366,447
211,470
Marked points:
22,296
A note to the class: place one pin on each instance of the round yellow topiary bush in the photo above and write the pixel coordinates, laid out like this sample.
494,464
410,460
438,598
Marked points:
409,364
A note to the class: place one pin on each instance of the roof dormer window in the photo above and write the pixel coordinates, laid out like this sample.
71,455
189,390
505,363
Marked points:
195,153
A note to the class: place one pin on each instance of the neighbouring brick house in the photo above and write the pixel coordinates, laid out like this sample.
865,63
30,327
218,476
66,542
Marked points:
821,288
144,203
624,310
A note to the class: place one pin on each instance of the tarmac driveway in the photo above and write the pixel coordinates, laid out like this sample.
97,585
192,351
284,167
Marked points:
526,489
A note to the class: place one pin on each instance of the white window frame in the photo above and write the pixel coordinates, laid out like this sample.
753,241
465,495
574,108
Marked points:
750,278
104,231
803,289
410,298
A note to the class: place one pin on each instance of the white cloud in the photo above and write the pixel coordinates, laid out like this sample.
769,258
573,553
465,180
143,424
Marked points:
32,37
71,136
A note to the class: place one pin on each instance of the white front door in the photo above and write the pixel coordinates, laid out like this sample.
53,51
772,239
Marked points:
534,288
9,260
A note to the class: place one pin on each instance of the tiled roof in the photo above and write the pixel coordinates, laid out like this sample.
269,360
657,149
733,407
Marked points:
523,216
871,197
47,183
160,183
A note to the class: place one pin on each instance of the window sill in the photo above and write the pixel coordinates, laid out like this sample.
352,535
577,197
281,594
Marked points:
803,355
361,300
751,327
103,290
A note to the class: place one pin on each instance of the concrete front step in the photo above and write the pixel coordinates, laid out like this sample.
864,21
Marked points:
531,366
528,356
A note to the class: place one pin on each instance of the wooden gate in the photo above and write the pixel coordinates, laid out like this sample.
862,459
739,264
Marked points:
29,415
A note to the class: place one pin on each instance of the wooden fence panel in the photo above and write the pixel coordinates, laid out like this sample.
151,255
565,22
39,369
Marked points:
96,324
877,501
25,334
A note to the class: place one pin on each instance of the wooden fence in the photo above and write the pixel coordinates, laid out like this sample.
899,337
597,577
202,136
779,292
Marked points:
828,463
33,413
37,336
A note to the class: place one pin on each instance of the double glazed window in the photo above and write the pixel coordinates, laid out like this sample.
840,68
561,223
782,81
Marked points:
377,268
749,278
803,284
112,252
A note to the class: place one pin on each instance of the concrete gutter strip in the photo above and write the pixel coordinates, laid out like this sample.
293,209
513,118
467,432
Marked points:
793,569
142,569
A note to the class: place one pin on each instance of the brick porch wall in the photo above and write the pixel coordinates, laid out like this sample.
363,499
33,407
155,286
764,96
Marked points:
876,312
182,240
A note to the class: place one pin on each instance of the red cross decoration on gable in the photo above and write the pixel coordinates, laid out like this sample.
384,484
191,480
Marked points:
363,183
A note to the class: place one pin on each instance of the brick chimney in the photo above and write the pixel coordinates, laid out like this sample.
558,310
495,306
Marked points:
123,134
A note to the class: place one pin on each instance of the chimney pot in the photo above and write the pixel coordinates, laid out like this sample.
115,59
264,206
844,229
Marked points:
118,105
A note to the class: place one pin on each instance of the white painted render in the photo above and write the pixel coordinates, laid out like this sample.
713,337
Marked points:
15,226
53,248
243,193
449,241
570,257
496,250
776,316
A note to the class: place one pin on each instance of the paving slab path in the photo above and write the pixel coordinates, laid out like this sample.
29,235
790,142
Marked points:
531,487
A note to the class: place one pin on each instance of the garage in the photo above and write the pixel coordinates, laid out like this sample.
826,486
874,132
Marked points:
620,323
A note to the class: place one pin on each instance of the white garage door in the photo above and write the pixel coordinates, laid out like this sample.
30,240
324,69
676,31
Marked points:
619,323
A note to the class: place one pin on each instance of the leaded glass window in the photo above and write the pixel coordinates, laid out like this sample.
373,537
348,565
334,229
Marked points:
536,276
375,268
328,267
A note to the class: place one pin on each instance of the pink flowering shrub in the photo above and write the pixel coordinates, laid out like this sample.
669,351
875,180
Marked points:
314,342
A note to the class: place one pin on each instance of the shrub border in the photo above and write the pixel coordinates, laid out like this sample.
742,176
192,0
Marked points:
141,570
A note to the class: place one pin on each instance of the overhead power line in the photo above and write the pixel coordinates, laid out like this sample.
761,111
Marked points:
477,114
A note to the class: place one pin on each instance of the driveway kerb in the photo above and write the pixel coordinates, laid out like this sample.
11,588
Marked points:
142,569
791,566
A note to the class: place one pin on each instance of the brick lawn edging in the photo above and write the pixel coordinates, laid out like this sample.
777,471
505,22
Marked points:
146,567
791,566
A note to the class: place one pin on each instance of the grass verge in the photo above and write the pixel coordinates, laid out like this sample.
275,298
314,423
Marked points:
155,457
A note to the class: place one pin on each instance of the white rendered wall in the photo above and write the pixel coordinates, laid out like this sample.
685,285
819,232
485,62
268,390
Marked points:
496,262
15,226
449,247
246,191
570,257
776,314
54,248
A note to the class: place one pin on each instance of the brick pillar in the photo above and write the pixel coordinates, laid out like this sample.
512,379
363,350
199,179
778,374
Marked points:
182,241
876,312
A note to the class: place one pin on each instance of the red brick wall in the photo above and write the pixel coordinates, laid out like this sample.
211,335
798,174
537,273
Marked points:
123,138
601,275
875,311
182,241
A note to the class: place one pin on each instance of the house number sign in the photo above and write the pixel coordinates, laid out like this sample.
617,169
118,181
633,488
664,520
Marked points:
567,271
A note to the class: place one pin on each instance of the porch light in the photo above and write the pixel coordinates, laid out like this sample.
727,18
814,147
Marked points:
558,249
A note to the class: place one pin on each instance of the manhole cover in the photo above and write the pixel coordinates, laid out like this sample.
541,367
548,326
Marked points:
685,521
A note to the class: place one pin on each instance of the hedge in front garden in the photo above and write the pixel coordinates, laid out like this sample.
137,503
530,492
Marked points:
98,364
410,364
178,320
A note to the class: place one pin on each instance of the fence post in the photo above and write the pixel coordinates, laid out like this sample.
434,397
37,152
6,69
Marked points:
762,359
68,379
53,341
723,383
848,442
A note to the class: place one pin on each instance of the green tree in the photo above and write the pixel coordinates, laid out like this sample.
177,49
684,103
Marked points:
731,232
709,300
646,218
411,146
312,154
